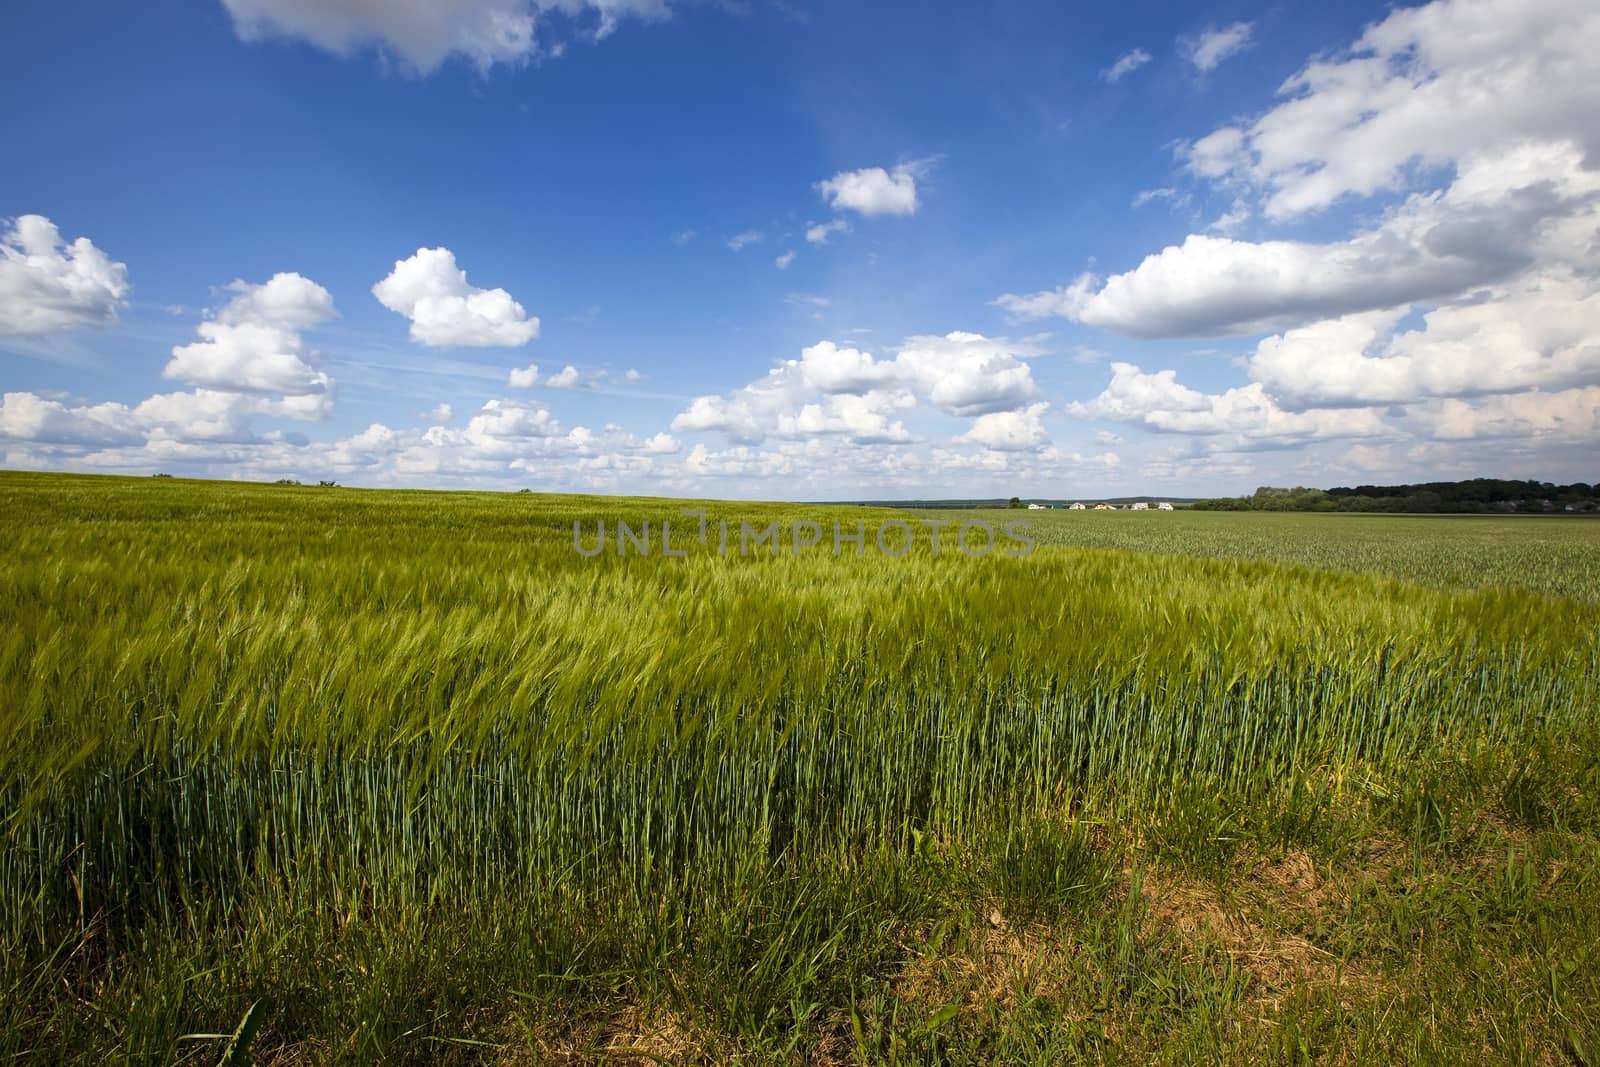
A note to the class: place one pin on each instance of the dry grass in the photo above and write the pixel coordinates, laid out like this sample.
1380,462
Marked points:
629,1036
1250,923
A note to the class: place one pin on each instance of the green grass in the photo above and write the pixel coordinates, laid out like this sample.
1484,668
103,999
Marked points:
1548,553
426,785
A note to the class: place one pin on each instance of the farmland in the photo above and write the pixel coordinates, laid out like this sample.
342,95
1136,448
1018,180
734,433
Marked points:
1553,554
404,777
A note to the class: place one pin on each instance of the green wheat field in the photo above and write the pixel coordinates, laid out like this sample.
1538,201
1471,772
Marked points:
320,775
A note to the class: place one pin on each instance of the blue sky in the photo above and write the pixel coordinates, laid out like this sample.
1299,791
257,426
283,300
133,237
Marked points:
802,250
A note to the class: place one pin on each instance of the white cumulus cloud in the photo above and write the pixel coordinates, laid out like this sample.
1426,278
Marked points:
1503,214
828,390
286,300
1432,85
1158,401
431,291
203,415
219,415
1569,416
968,373
1010,431
1542,333
29,417
48,284
253,344
873,190
837,390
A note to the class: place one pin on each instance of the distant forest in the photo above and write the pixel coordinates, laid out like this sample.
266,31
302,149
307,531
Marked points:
1477,495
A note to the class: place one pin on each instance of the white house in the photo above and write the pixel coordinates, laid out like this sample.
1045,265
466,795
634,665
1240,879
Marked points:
1076,506
1163,506
1140,506
1036,507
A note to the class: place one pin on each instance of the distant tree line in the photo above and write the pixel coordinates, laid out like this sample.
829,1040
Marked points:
1474,496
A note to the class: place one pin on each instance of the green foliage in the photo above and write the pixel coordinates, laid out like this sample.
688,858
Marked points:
1475,496
1039,866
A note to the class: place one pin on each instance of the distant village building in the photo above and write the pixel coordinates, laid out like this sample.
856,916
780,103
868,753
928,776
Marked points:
1077,506
1141,506
1104,507
1036,507
1163,506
